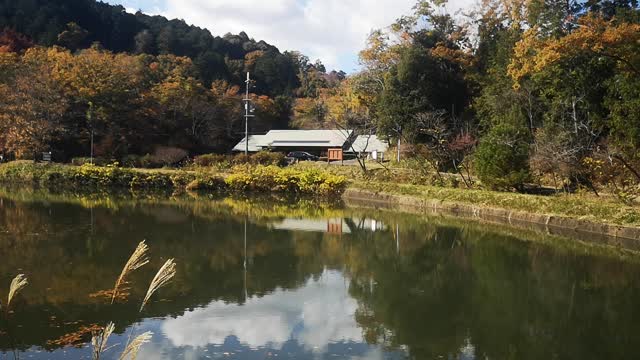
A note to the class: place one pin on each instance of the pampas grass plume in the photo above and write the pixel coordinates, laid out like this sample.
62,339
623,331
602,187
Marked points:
134,347
164,275
137,260
99,340
17,284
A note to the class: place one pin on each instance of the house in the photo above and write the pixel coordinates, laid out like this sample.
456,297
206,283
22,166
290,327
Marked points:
370,146
316,142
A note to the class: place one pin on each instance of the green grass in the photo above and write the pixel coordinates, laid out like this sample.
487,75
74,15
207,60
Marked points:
239,179
315,178
421,184
577,206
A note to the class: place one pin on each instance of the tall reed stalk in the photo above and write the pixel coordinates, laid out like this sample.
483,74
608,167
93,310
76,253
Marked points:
17,284
99,340
163,276
132,349
137,260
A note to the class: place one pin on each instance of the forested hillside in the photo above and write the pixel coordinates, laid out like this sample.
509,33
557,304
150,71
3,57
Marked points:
76,24
137,82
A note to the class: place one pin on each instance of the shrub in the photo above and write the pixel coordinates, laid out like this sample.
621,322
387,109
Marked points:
502,158
151,181
98,176
268,158
239,159
209,160
132,161
168,156
227,161
79,161
243,179
210,183
150,162
275,179
181,179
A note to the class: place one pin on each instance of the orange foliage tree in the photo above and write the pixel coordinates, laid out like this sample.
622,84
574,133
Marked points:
594,36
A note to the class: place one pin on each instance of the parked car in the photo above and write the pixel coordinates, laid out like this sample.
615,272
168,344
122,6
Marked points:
302,156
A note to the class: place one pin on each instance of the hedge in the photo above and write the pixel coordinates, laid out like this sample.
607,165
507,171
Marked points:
242,178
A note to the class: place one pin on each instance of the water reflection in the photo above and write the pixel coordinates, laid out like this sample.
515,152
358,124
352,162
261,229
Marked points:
318,313
330,225
302,281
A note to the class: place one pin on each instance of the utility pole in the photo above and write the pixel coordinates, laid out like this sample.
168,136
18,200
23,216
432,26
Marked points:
247,110
244,281
90,120
398,131
399,136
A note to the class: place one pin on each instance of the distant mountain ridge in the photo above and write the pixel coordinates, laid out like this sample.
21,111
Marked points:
115,29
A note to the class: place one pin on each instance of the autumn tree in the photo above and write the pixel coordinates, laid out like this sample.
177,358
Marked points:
32,108
14,42
598,95
73,37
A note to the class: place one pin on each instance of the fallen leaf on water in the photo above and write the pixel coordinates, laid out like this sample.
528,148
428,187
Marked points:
76,338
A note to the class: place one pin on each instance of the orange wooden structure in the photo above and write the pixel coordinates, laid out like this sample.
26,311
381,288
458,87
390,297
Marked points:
335,155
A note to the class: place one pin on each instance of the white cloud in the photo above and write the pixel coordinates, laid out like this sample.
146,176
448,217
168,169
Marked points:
317,314
331,30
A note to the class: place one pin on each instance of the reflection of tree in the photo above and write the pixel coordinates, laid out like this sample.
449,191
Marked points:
447,284
49,243
422,301
508,298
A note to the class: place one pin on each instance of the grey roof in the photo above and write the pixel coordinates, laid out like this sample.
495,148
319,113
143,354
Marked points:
254,143
307,138
296,138
369,143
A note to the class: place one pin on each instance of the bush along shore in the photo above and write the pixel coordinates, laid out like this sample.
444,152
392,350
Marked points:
311,181
239,179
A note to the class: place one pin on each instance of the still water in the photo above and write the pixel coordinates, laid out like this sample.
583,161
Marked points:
273,280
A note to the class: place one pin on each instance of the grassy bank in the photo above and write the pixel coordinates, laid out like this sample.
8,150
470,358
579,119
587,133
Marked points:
312,180
240,179
424,185
583,207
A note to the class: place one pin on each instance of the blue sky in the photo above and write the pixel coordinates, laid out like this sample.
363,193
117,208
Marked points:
330,30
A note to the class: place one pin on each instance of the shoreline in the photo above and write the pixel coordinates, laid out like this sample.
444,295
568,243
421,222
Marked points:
603,223
627,237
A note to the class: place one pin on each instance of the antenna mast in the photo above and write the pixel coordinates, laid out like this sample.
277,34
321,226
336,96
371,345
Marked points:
247,115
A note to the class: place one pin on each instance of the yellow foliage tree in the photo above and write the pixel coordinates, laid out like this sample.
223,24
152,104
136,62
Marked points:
594,36
32,109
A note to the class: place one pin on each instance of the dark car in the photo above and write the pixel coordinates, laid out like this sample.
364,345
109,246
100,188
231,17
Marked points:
302,156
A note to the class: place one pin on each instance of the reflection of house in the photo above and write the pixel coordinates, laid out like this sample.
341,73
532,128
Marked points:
331,226
316,142
314,225
369,145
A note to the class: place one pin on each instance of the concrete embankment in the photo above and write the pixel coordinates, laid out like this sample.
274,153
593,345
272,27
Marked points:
583,230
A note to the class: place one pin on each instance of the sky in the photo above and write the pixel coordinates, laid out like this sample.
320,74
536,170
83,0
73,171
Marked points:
333,31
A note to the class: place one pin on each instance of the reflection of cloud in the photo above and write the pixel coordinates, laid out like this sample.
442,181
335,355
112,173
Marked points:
319,313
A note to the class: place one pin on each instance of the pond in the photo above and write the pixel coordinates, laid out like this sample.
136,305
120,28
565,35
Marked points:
279,280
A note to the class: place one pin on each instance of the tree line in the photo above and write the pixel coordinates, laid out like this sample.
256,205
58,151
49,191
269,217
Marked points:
515,91
70,70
